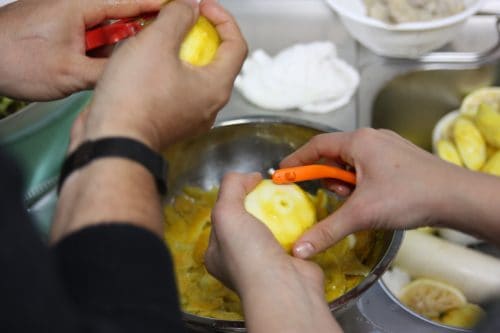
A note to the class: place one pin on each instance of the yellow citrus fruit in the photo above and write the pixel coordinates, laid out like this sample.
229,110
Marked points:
492,166
489,95
488,122
201,43
431,298
470,143
466,316
448,152
285,209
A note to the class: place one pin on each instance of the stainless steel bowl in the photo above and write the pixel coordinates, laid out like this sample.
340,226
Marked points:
247,145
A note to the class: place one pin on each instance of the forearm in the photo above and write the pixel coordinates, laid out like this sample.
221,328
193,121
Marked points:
121,275
109,189
470,201
287,304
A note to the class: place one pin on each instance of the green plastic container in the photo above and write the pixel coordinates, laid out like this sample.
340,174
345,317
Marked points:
37,137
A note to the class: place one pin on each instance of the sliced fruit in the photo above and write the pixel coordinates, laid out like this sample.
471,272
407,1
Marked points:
285,209
489,95
492,166
431,298
488,122
448,152
466,316
201,43
470,143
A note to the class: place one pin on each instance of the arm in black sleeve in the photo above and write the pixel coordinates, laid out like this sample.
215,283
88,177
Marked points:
123,273
32,297
102,279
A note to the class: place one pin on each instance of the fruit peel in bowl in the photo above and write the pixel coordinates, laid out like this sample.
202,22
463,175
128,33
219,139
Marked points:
187,232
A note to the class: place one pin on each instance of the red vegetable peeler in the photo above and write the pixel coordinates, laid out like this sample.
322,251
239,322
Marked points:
116,31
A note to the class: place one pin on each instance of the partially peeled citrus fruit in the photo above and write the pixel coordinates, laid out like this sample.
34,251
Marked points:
285,209
201,43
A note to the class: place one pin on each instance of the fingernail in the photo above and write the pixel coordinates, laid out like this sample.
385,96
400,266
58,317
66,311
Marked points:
303,250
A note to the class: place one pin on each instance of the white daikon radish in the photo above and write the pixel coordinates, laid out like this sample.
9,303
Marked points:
458,237
476,274
396,279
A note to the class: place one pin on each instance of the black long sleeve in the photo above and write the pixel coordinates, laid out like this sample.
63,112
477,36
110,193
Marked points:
114,278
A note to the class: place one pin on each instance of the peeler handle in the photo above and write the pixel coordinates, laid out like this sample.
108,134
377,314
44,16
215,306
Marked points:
112,33
310,172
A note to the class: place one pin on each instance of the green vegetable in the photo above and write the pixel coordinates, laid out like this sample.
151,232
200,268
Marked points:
9,106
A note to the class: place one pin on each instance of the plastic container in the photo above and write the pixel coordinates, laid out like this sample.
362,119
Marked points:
37,137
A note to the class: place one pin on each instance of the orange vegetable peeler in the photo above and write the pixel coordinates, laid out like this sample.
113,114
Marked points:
310,172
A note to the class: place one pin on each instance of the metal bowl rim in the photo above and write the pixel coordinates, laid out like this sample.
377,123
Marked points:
274,120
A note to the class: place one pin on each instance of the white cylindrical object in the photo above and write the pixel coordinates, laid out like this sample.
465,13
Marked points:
476,274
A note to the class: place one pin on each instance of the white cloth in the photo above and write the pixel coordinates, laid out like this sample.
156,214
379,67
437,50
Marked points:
309,77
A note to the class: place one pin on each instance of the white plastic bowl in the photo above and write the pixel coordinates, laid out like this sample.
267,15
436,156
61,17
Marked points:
442,128
407,40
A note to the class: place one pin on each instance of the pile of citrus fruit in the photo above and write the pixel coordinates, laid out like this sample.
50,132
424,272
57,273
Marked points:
471,137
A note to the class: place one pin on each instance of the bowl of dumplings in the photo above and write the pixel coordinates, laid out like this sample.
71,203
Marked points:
404,28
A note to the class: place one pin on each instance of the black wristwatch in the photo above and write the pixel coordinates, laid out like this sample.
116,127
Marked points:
117,147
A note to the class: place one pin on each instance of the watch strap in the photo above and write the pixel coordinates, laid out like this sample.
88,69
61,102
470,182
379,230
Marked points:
117,147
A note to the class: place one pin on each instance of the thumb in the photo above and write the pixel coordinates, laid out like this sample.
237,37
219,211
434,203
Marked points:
173,23
326,233
89,71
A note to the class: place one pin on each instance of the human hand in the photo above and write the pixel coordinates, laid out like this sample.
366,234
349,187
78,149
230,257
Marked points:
398,185
280,293
242,252
149,94
43,44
